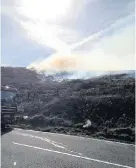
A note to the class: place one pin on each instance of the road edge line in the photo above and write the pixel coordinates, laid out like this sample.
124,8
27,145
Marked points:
95,139
68,154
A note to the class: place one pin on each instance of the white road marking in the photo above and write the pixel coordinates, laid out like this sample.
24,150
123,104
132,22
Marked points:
68,154
56,144
95,139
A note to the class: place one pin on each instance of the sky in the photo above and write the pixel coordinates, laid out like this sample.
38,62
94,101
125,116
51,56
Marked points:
68,35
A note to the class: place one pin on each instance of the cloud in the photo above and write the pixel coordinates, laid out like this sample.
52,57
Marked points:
103,31
41,23
44,34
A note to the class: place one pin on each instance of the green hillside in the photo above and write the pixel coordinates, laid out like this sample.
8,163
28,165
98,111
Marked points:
108,102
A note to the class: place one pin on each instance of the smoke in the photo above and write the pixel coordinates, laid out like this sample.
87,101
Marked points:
96,60
25,117
88,124
114,52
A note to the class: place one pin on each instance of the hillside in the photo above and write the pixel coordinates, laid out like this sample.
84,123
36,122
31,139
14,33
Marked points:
108,102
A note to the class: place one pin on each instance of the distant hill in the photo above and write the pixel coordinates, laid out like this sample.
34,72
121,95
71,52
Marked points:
17,76
21,75
64,106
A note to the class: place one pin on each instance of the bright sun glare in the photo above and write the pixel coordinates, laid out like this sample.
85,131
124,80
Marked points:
43,24
44,9
42,17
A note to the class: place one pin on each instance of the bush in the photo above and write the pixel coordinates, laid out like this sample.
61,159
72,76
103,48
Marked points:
37,120
108,101
128,131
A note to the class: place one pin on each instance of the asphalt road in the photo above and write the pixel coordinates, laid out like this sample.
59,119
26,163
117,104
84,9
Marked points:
34,149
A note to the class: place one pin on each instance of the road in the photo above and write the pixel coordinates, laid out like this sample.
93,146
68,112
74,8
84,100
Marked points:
34,149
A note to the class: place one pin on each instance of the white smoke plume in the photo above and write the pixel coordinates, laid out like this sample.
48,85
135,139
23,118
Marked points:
88,124
25,117
111,53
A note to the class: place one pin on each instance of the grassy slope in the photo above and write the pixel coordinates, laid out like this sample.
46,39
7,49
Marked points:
109,102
